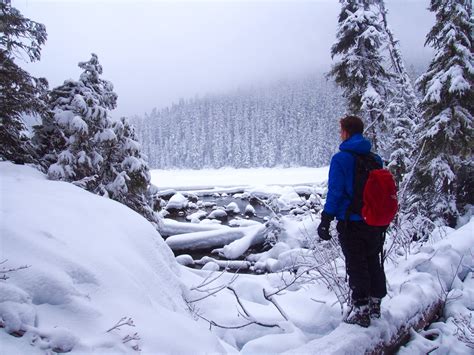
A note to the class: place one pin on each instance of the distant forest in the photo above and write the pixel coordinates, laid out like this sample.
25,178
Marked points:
288,123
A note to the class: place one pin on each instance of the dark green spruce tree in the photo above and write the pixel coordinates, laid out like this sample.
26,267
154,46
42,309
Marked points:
80,123
402,113
79,142
443,180
125,175
359,67
20,93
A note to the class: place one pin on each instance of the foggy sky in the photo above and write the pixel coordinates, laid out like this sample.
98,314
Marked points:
155,52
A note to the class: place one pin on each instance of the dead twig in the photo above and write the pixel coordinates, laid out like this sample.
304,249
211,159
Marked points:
123,321
213,323
5,271
275,303
128,338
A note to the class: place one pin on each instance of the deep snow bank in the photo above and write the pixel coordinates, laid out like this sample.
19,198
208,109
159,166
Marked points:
92,262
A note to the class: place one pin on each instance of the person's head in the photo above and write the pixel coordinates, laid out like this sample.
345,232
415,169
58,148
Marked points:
351,125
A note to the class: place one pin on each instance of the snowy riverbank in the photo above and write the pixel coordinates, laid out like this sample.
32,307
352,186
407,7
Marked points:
92,261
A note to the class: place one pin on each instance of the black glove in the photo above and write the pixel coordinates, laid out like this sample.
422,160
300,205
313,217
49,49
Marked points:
323,229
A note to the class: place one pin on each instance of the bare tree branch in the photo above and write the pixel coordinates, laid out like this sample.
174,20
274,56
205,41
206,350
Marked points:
123,321
275,303
238,301
5,271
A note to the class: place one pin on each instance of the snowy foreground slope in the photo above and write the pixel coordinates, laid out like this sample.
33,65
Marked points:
92,262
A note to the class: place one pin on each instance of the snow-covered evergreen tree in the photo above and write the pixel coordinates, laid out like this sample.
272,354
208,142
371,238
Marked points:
125,174
359,69
82,145
402,114
19,92
443,179
80,112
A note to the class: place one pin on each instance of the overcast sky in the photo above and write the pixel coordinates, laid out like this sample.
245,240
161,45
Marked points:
155,52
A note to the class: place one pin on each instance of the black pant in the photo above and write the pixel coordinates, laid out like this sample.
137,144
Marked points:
362,248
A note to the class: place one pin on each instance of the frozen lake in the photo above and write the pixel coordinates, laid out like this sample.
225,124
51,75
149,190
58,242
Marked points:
230,177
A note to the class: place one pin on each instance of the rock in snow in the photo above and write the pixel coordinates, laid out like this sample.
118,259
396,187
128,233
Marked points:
218,214
232,208
177,202
249,210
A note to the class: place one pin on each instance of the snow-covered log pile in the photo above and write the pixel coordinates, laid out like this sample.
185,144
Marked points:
216,238
222,226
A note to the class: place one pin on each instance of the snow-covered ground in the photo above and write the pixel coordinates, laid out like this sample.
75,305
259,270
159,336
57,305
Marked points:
210,178
93,261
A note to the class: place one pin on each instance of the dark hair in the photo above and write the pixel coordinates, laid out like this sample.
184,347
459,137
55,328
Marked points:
352,125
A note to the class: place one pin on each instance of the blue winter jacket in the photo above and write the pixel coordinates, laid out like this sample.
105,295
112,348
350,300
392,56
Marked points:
341,177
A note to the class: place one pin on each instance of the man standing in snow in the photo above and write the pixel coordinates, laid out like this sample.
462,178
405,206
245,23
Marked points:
361,244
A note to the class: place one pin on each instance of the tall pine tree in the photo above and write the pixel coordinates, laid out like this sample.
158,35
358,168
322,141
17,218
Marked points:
401,114
359,69
20,93
443,178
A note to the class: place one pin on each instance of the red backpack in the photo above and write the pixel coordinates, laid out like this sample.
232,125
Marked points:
375,192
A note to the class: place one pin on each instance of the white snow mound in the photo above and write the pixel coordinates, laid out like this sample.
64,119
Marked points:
92,261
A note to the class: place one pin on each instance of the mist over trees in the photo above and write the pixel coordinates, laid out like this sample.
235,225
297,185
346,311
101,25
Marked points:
288,123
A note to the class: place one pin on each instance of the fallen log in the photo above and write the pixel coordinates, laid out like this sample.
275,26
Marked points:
417,323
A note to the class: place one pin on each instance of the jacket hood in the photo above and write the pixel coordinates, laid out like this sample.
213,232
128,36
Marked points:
356,144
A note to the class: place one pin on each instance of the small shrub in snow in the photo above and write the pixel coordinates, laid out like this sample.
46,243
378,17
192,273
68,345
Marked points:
465,330
128,338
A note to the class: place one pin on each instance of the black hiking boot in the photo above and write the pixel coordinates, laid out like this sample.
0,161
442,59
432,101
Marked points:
374,307
359,316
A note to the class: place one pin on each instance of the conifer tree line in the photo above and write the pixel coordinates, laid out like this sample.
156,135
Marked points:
424,131
428,141
290,123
